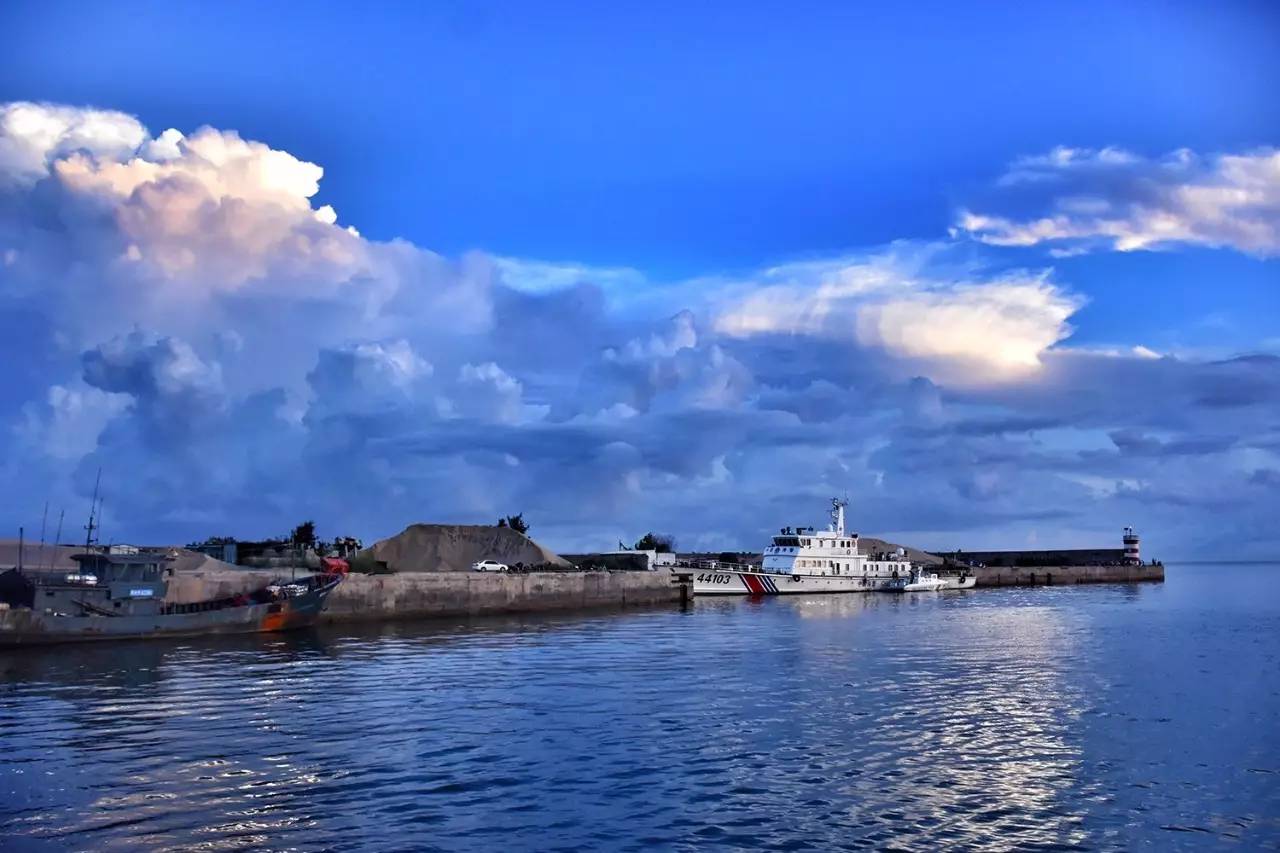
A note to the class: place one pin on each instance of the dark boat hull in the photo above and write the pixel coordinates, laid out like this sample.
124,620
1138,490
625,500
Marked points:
22,626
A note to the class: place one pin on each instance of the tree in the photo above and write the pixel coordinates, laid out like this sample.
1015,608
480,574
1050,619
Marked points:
304,534
516,523
661,542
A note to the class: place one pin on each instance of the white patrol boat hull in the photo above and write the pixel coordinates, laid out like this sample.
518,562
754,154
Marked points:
954,582
918,586
738,582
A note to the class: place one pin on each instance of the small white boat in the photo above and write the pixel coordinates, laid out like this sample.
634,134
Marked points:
960,581
917,581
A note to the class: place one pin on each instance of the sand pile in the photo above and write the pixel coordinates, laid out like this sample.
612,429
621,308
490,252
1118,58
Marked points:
870,545
37,556
199,577
454,547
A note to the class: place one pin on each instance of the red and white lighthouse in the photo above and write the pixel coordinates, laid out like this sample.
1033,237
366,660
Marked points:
1131,554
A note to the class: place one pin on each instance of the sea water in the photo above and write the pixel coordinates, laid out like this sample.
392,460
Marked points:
1082,717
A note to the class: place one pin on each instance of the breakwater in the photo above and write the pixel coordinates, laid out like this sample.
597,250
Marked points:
414,595
1065,575
411,595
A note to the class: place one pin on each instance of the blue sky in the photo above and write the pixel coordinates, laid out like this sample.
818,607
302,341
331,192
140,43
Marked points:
805,182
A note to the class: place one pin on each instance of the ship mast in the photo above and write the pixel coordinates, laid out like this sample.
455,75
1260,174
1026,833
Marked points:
58,536
837,515
93,506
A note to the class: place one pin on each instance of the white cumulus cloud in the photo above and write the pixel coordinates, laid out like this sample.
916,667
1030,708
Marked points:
966,327
1077,199
192,318
33,136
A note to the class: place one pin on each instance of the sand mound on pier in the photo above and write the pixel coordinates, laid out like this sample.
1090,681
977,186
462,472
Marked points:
870,545
454,547
37,556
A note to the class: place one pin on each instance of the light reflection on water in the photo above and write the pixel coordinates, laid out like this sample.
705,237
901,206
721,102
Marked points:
1111,716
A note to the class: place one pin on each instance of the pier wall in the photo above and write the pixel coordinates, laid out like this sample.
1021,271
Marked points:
408,595
1064,575
418,594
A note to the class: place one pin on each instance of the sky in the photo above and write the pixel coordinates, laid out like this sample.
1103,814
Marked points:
1005,276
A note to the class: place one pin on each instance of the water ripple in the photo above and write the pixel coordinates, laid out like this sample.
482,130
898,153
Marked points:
1059,719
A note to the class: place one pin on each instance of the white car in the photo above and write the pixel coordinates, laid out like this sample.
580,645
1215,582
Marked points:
488,566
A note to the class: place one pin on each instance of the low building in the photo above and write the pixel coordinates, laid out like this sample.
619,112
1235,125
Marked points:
626,559
653,560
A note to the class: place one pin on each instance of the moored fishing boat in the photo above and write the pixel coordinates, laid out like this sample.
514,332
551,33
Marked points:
122,596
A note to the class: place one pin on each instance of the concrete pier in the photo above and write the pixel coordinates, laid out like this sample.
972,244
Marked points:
411,595
1065,575
423,594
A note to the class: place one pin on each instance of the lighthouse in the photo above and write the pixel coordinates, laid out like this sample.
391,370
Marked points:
1131,554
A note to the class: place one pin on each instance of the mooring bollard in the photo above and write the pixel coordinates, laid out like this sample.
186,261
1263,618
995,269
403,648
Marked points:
685,581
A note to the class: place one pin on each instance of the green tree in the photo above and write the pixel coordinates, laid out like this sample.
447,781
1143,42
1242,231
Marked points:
660,542
304,534
516,523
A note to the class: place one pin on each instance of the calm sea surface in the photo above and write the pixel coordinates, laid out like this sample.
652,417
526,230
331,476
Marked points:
1126,716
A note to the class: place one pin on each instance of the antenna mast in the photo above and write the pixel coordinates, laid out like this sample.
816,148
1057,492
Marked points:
43,520
837,515
61,513
93,506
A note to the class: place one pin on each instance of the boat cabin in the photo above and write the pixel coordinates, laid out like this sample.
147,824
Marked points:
103,584
808,551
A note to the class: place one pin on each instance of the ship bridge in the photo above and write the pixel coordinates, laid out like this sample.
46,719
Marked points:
807,550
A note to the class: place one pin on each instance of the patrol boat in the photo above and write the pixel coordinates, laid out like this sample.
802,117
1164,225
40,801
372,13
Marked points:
122,596
918,581
806,560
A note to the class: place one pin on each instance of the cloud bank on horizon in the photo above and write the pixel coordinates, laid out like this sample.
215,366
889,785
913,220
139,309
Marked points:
236,358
